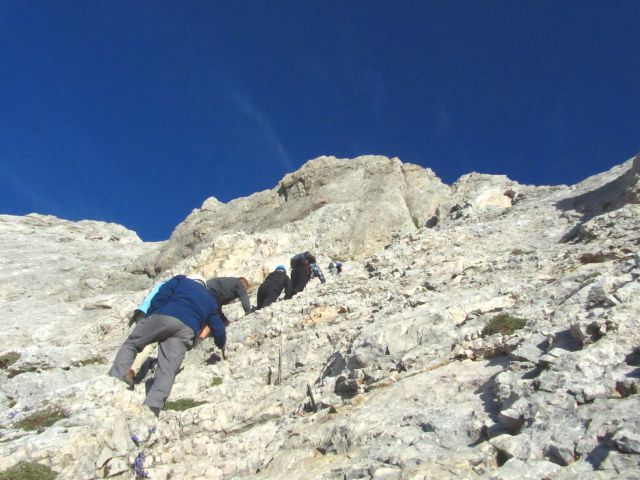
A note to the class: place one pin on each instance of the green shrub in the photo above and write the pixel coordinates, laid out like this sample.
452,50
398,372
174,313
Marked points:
216,381
589,279
90,361
28,471
13,373
520,251
41,419
598,257
416,222
183,404
504,324
8,359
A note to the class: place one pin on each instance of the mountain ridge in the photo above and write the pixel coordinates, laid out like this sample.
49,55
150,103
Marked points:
390,370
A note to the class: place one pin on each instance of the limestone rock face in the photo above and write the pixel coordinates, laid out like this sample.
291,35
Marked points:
350,207
498,340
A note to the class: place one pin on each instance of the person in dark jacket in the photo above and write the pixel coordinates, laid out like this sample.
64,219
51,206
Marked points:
178,313
303,269
272,287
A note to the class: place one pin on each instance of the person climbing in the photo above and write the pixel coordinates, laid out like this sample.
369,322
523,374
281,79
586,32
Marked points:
303,269
228,289
141,312
177,314
271,288
138,314
335,267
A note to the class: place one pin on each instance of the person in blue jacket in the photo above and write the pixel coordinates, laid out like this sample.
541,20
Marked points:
177,314
141,312
138,314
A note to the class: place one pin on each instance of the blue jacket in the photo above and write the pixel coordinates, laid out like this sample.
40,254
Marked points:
192,303
144,307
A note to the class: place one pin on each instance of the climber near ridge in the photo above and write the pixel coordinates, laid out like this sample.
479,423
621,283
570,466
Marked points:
303,269
178,313
335,267
272,287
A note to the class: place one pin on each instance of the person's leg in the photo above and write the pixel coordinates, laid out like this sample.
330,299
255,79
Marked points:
170,354
261,297
147,331
299,278
141,358
269,297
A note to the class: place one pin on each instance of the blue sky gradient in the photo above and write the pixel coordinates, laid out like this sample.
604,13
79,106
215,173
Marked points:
136,112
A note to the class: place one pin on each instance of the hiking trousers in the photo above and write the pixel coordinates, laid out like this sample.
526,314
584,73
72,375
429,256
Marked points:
266,296
174,339
300,276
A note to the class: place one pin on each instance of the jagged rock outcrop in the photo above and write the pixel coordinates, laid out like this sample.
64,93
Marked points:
499,342
349,207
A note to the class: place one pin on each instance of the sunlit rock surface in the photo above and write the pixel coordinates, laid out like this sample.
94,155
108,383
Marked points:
390,370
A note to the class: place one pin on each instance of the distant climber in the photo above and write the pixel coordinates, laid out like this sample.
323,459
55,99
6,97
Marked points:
303,269
177,314
335,267
272,287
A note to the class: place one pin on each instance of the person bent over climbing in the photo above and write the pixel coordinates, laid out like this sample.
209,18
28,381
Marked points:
138,314
178,312
303,269
228,289
272,287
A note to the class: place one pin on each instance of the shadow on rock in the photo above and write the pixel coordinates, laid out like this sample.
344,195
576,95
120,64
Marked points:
607,198
213,359
599,454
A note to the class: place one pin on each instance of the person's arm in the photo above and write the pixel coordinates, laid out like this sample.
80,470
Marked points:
244,298
205,332
288,288
217,329
317,272
163,295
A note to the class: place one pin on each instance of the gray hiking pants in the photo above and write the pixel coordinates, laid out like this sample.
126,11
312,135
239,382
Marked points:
174,339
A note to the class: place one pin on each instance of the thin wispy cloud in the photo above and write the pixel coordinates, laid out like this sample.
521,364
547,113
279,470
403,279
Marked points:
443,119
38,201
246,106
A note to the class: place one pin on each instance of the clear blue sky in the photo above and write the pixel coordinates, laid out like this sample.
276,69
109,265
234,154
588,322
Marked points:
136,111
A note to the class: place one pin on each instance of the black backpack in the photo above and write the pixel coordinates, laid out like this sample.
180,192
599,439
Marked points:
302,259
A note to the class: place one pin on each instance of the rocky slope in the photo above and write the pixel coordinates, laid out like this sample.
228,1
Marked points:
388,371
346,208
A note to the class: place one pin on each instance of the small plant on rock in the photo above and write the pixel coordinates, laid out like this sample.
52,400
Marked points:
504,324
90,361
104,329
41,419
182,404
520,251
589,279
28,471
8,359
216,381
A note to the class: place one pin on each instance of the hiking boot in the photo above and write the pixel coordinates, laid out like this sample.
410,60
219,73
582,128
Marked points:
130,379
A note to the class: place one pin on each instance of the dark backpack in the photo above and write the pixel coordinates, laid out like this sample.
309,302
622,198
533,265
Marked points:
302,259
